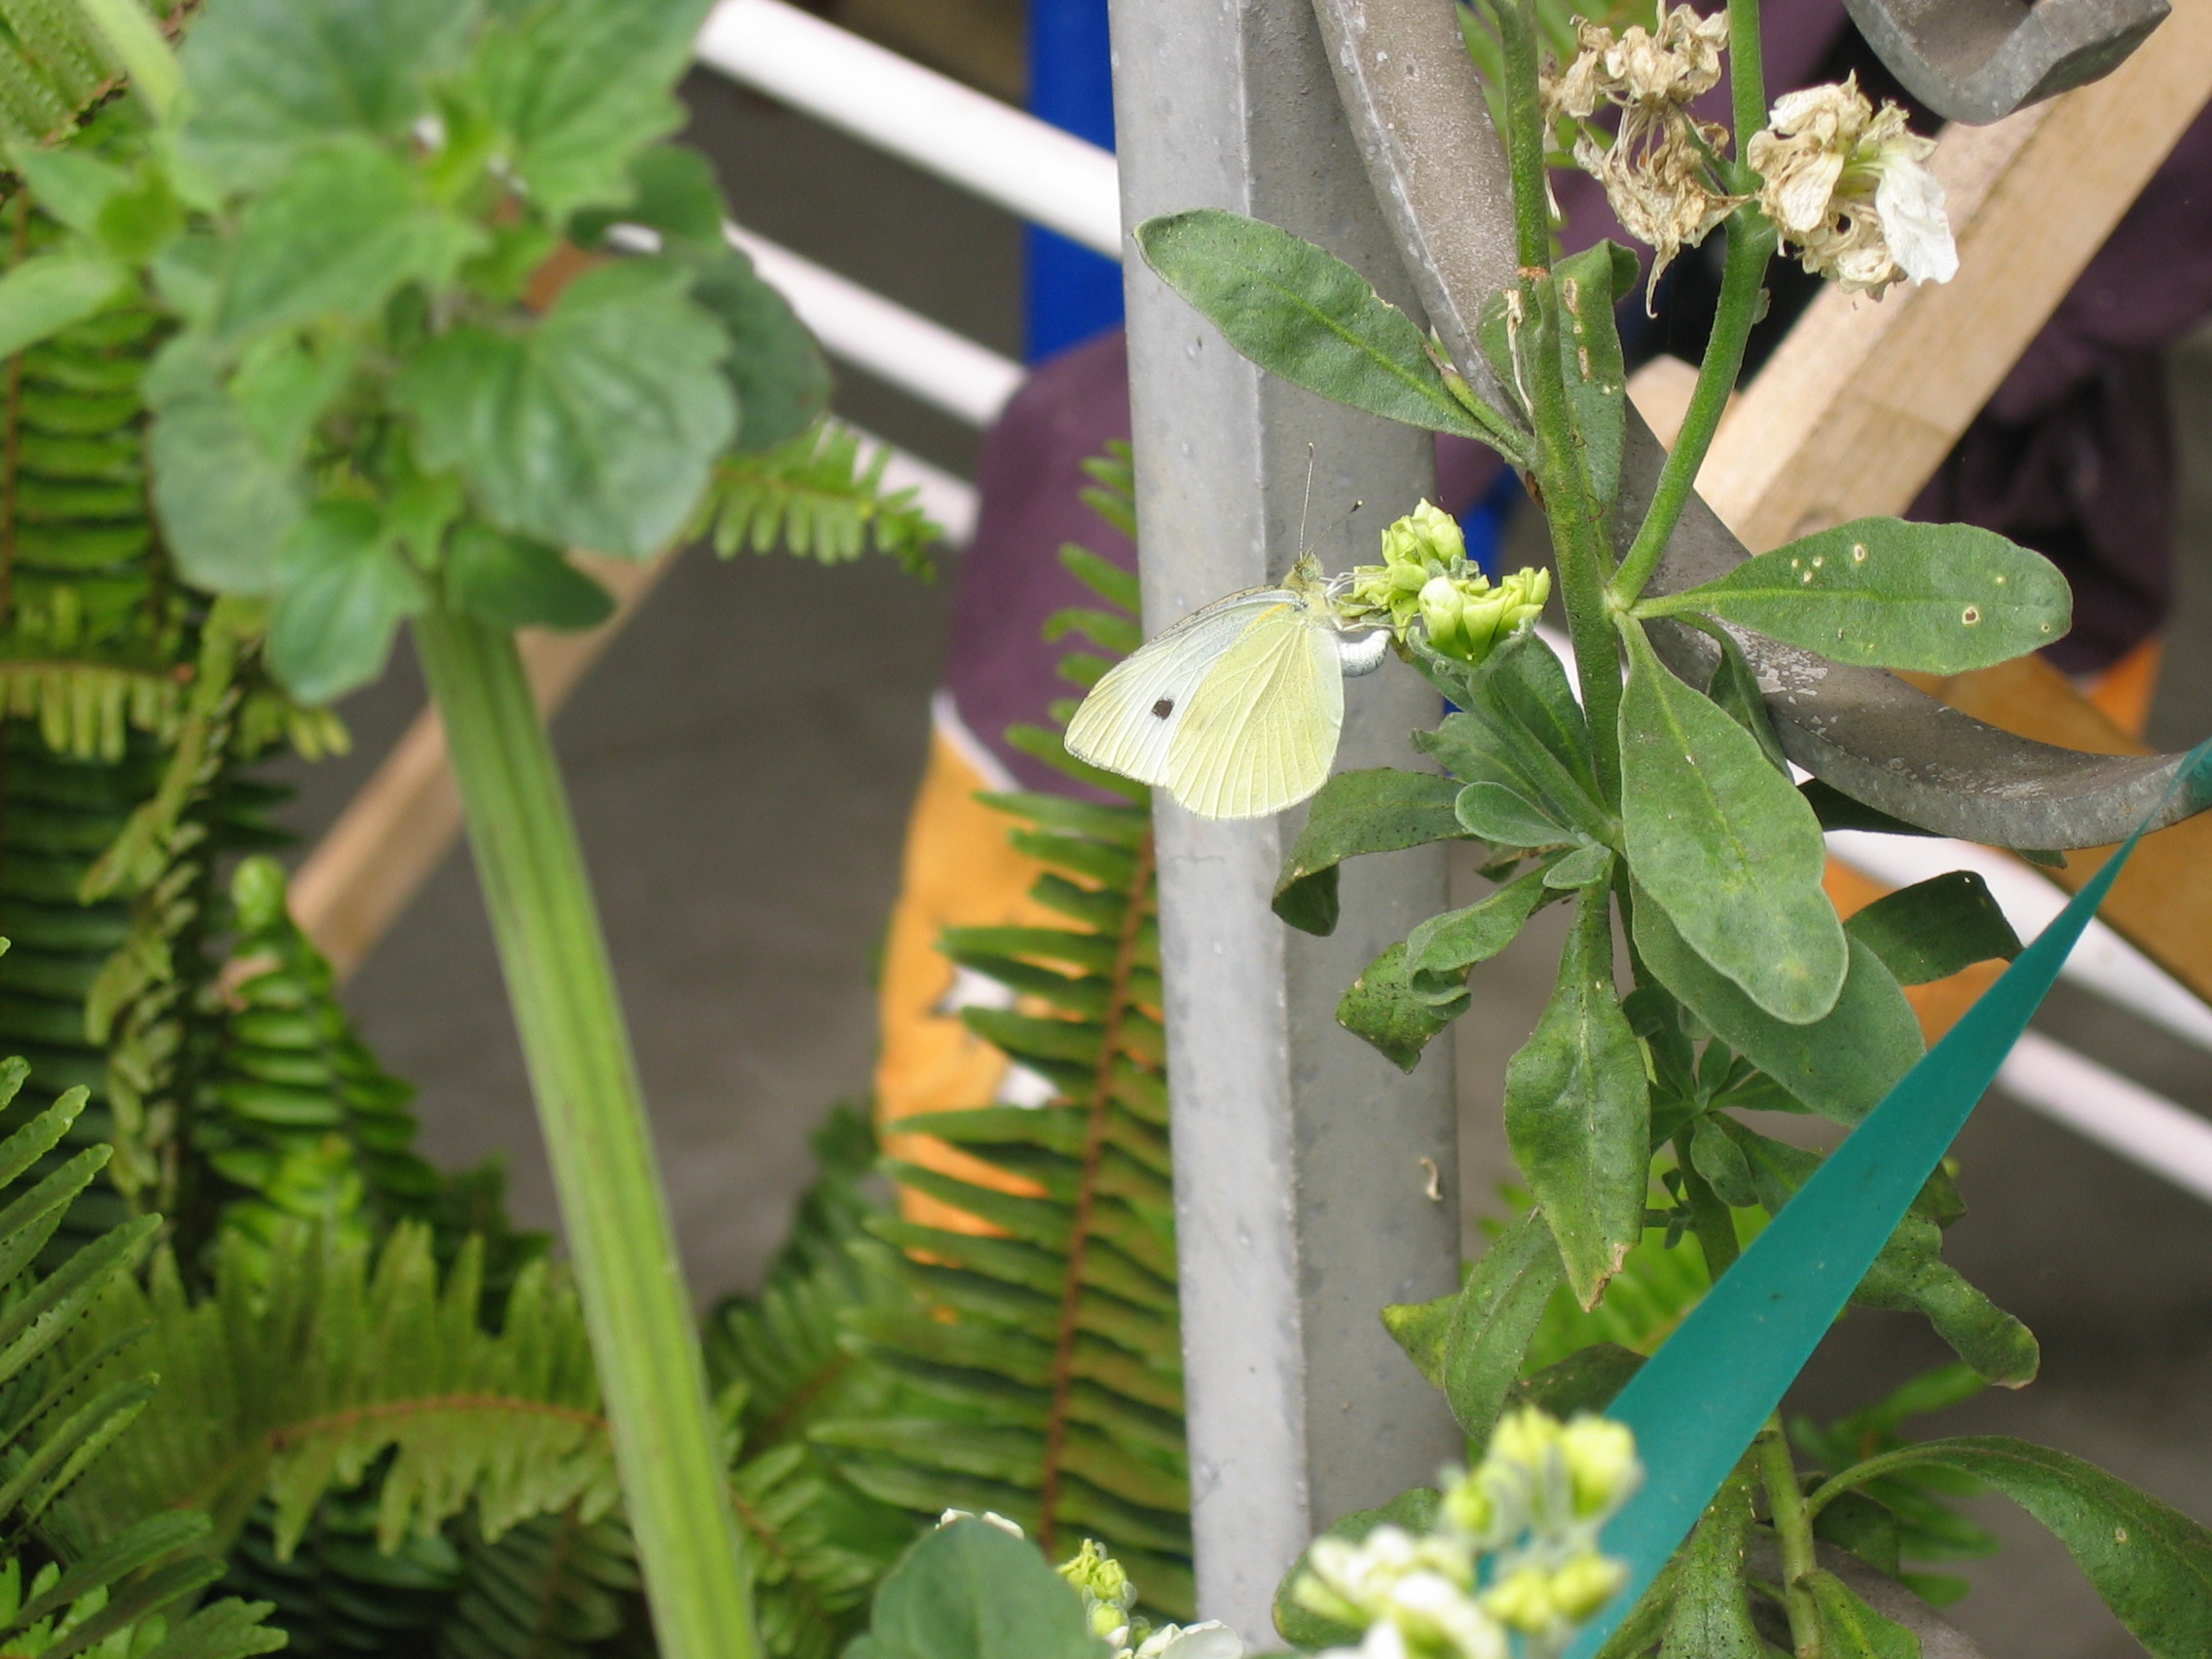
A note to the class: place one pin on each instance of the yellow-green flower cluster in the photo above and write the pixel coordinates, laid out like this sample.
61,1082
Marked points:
1425,576
1533,1506
1108,1595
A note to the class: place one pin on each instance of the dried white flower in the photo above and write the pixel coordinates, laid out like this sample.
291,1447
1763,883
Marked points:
1849,188
1657,171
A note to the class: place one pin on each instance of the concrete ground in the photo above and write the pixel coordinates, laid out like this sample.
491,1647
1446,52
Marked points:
742,763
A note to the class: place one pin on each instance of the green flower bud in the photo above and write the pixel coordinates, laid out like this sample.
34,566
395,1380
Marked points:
1584,1585
1093,1571
1427,536
1523,1599
1601,1461
1523,1437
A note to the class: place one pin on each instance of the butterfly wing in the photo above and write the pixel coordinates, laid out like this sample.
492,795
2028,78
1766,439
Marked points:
1129,721
1260,731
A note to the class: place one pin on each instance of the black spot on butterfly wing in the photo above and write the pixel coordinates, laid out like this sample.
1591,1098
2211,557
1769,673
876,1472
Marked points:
1163,708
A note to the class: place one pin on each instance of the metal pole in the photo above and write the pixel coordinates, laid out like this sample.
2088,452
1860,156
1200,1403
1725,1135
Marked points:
1305,1163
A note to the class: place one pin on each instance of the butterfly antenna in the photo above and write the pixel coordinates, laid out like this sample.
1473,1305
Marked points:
1306,506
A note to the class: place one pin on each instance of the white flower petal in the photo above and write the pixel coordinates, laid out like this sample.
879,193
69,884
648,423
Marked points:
1910,201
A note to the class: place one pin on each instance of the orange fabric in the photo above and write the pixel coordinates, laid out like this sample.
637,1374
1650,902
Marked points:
2122,694
960,870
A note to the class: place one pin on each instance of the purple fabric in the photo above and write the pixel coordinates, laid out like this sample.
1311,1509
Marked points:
998,669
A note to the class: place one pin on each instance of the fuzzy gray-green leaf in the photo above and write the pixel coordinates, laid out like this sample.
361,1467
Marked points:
1711,1619
2151,1564
1726,846
1577,1109
1935,928
1885,592
1381,810
1839,1066
1493,1317
1300,311
1385,1008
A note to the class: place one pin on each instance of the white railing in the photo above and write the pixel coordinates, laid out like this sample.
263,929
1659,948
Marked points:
992,150
1047,176
881,335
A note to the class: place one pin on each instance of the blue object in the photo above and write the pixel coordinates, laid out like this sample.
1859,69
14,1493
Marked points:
1483,522
1072,292
1700,1400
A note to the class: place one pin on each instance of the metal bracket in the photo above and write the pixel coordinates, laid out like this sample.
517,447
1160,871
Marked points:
1417,107
1979,61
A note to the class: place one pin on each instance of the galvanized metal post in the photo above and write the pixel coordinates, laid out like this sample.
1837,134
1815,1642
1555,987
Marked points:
1314,1183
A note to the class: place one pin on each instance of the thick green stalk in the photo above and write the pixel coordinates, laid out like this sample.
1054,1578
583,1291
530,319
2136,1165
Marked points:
1578,542
1750,242
1793,1531
593,1114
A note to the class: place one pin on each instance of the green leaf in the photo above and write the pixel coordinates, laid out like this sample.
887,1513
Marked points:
1504,818
1577,1109
1586,286
2151,1564
225,504
334,237
577,87
1849,1628
1735,691
45,294
1725,845
675,195
1586,866
1720,1160
348,590
1386,1010
1863,1525
267,79
1935,928
971,1590
1711,1619
1414,1511
1301,313
1585,1381
597,427
1910,1275
1838,811
1840,1065
1494,1320
1883,593
70,185
513,582
780,377
1521,730
1382,810
1440,952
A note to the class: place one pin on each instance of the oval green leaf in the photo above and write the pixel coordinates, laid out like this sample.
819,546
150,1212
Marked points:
1300,311
1883,593
1726,846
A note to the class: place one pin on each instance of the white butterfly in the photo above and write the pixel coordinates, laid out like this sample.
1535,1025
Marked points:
1237,708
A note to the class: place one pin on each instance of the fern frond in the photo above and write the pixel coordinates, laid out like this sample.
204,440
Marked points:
552,1587
302,1369
818,498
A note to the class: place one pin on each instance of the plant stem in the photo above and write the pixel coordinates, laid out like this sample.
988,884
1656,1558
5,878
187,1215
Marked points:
589,1104
1525,135
1579,537
1750,242
1794,1529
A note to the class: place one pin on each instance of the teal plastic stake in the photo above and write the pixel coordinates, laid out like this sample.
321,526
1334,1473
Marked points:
1705,1395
